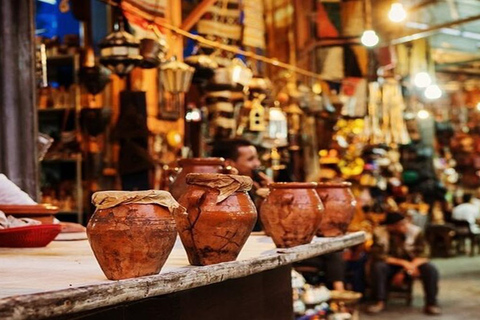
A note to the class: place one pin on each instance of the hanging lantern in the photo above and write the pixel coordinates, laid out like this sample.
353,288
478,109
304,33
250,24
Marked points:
119,50
177,76
239,72
153,52
93,76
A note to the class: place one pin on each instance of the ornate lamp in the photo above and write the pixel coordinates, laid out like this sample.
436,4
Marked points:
93,76
176,78
119,50
153,51
239,72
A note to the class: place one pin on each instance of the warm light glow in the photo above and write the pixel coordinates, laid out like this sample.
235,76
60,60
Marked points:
423,114
193,115
236,73
369,38
433,92
478,106
397,13
422,80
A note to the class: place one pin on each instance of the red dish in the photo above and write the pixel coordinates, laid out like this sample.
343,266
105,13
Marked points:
29,236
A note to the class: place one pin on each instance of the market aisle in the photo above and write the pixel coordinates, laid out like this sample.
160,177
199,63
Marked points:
459,293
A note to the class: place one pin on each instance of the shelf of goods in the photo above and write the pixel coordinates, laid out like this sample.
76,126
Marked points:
64,281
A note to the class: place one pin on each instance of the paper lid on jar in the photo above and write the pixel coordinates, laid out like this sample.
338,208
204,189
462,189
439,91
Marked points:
109,199
227,184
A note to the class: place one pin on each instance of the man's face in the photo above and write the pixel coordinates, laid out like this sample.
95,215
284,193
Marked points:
247,161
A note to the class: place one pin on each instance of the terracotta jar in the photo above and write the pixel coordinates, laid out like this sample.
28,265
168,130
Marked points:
194,165
291,213
132,233
219,218
339,204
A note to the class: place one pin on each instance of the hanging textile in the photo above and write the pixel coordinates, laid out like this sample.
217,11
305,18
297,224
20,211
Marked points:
352,67
221,23
253,24
330,62
352,18
354,93
325,27
385,113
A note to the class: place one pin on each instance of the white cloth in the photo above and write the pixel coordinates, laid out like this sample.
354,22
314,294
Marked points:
467,212
412,232
11,222
11,194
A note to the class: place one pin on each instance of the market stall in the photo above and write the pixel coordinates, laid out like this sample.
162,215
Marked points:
69,283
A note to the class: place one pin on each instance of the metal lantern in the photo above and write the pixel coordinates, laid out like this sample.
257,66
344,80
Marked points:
176,76
239,72
92,76
153,52
119,51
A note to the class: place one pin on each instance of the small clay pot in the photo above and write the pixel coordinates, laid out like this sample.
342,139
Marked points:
339,204
194,165
213,230
291,213
132,239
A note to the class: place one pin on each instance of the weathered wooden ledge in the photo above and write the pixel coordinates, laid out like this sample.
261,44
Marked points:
64,277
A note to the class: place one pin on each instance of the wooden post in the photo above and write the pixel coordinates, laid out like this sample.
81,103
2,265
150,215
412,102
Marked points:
18,118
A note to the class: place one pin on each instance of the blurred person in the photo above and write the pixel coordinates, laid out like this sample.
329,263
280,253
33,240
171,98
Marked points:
242,155
399,251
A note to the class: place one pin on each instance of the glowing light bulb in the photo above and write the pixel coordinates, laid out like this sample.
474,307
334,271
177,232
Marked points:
433,92
397,13
422,80
423,114
369,38
478,106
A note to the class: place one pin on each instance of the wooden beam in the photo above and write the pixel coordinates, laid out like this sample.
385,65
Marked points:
431,31
196,14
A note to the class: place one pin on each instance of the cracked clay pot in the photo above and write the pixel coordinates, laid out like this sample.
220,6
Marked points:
194,165
339,204
291,213
219,218
132,233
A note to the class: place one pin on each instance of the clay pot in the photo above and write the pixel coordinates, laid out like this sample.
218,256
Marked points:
131,239
291,213
194,165
219,218
339,204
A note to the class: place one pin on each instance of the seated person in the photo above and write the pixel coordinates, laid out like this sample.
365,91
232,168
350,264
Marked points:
399,249
467,211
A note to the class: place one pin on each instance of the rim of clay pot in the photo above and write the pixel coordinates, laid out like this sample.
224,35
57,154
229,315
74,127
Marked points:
292,185
334,184
211,161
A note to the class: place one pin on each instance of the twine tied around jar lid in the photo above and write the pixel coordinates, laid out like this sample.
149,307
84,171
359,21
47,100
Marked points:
109,199
227,184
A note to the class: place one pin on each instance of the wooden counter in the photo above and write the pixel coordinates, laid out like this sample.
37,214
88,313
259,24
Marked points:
64,277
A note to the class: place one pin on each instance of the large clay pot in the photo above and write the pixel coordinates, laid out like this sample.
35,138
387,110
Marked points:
219,218
339,203
132,233
194,165
291,213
